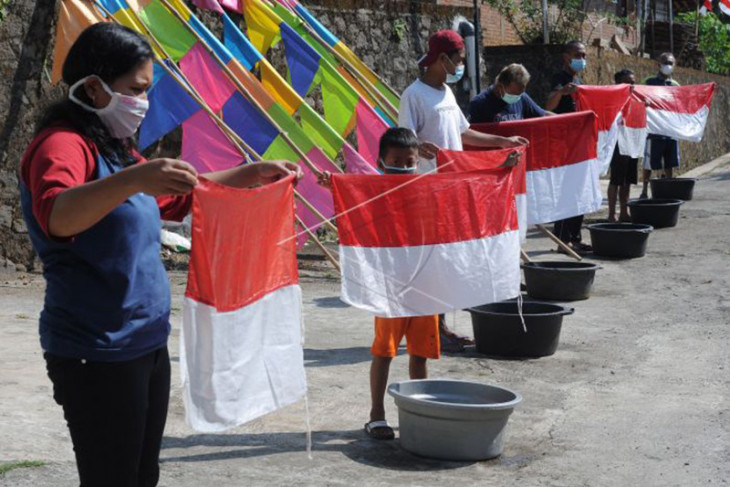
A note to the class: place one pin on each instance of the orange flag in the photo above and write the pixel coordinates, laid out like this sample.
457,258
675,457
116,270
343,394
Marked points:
73,17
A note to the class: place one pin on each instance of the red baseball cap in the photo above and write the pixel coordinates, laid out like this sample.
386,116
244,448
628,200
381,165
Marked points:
443,41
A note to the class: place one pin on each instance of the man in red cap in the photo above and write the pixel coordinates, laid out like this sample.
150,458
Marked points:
429,108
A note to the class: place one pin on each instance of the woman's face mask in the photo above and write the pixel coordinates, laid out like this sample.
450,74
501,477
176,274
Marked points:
122,116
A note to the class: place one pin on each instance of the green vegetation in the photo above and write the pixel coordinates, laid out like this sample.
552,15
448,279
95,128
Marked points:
714,38
6,467
526,17
3,9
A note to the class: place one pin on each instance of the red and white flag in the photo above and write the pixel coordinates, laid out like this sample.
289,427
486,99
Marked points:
461,161
679,112
607,102
632,129
427,244
241,346
562,167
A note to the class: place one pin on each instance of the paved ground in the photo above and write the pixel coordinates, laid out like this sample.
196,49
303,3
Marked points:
637,393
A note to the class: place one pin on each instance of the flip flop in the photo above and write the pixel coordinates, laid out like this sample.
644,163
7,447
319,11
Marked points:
379,430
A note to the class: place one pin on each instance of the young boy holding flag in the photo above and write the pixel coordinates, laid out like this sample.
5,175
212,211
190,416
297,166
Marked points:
428,107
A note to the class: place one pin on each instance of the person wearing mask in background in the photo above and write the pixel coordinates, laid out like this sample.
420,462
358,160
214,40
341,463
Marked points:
560,100
505,99
428,107
661,153
623,168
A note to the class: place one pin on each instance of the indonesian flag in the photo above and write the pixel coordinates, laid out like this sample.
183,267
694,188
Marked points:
241,346
461,161
632,129
679,112
562,166
607,102
427,244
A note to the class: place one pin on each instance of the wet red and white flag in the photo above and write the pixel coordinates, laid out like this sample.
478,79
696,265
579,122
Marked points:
241,346
632,129
562,166
679,112
607,102
460,161
427,244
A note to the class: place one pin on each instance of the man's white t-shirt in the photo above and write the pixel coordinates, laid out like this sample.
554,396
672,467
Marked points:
433,114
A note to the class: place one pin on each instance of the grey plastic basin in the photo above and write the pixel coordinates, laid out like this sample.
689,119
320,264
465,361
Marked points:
453,419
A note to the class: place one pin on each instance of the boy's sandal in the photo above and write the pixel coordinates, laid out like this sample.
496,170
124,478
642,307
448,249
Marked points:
379,430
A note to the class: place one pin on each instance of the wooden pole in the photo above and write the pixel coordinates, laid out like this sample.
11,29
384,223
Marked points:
525,257
560,243
240,144
384,103
242,89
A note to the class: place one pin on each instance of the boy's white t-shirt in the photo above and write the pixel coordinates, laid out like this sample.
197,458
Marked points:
434,116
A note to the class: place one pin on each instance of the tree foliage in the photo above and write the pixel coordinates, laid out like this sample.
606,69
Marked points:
714,40
526,17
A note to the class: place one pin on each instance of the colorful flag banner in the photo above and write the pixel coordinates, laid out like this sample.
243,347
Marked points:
73,18
679,112
562,166
462,161
632,129
421,245
241,345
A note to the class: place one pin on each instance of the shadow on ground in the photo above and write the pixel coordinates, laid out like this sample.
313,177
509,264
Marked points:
329,357
351,443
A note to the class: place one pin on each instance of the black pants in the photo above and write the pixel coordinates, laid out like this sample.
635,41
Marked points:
568,230
116,414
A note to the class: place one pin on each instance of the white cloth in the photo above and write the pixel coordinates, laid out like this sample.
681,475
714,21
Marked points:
434,115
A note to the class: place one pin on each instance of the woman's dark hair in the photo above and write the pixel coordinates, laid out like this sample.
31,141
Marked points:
109,51
399,138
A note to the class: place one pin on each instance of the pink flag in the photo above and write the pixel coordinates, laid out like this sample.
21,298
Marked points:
234,5
205,146
370,127
316,195
208,5
354,163
206,77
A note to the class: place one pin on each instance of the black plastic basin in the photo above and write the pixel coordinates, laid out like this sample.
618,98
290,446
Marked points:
559,281
620,240
673,188
498,330
659,213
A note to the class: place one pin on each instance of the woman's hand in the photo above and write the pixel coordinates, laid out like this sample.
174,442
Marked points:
161,176
514,141
513,158
428,150
324,179
272,171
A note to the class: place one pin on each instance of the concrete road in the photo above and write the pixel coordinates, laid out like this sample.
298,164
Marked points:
637,393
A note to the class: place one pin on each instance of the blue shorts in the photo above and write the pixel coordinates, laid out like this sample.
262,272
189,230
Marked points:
661,154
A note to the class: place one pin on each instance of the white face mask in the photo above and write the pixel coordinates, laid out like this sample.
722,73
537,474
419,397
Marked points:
122,116
666,69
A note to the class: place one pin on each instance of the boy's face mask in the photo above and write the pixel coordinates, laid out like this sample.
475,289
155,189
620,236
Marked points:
396,170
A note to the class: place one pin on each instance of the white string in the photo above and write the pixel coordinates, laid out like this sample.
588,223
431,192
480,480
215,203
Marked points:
519,311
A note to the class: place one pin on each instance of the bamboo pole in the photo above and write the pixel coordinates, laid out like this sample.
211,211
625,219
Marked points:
242,89
342,58
560,243
379,98
525,257
240,144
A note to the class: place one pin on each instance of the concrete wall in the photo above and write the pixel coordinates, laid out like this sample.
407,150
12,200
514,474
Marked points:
542,61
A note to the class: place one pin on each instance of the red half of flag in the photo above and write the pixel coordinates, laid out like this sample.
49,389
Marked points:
679,112
632,129
562,168
241,346
421,245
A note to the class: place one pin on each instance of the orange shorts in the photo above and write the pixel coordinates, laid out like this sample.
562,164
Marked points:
421,332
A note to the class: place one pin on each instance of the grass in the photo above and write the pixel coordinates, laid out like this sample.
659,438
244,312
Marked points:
7,467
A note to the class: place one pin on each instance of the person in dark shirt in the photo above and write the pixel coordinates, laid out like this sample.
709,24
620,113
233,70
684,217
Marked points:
623,168
560,100
662,153
505,99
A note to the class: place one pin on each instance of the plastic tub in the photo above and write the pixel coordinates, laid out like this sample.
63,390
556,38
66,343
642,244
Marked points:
498,329
559,280
659,213
673,188
453,419
620,240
